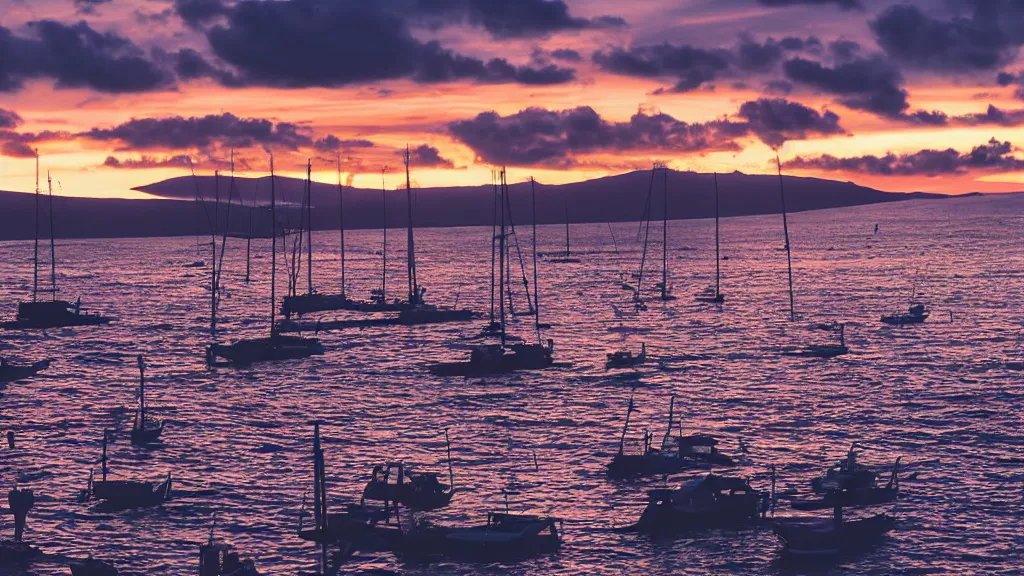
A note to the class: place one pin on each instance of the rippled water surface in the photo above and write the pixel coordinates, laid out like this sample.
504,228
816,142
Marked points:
238,440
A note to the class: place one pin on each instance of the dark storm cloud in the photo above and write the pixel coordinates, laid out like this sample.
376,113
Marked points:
426,156
843,4
145,162
566,55
178,133
537,136
691,66
513,19
992,116
869,84
9,119
332,143
994,156
1006,79
986,39
286,44
88,6
76,56
776,120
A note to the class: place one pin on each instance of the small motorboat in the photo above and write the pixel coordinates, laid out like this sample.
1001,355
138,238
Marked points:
677,453
195,264
711,501
91,567
504,538
277,347
845,475
116,495
625,358
217,559
822,350
810,538
855,495
145,430
916,314
53,314
498,359
12,372
394,483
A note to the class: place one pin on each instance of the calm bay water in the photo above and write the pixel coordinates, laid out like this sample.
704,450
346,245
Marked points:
238,442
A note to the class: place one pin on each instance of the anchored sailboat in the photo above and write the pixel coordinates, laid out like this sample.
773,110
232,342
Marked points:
567,259
52,313
144,430
124,494
717,297
277,346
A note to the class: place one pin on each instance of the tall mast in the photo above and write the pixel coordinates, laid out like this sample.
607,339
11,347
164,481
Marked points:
494,231
248,238
309,226
53,250
341,218
35,250
273,248
142,394
664,240
384,265
213,254
718,263
319,491
414,287
536,294
501,256
785,228
566,229
647,233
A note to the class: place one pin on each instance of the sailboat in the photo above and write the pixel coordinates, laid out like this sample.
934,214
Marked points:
567,259
645,227
493,327
502,358
52,313
124,494
144,430
393,482
717,297
277,346
218,559
11,372
666,291
785,229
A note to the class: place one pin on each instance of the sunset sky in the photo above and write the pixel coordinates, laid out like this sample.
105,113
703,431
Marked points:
904,96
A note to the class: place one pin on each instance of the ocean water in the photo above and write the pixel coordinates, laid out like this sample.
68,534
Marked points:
238,441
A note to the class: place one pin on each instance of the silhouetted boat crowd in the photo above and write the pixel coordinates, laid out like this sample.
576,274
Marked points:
394,513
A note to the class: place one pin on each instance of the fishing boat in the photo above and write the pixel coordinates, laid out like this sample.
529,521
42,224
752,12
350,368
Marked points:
677,453
393,482
567,258
626,358
816,538
124,494
822,350
711,501
855,492
277,346
504,537
10,372
218,559
145,430
846,474
916,314
716,296
504,358
52,313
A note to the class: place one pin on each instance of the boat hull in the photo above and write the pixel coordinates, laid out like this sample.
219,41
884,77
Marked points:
12,372
274,348
825,538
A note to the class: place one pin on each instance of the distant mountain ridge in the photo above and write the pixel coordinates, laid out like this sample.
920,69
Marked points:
609,199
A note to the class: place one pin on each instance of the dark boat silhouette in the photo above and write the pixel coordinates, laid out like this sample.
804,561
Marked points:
393,483
846,474
277,346
53,313
677,453
218,559
822,350
17,551
916,314
91,567
715,296
145,430
626,359
117,495
503,538
707,502
852,492
12,372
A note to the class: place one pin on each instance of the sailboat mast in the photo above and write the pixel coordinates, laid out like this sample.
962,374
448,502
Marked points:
53,250
35,250
213,254
142,394
664,240
318,519
501,255
567,230
785,229
248,237
647,232
536,293
273,248
494,231
341,218
414,287
718,261
384,265
309,226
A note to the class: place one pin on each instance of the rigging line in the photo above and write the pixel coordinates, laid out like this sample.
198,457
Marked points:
519,253
227,224
647,233
199,195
